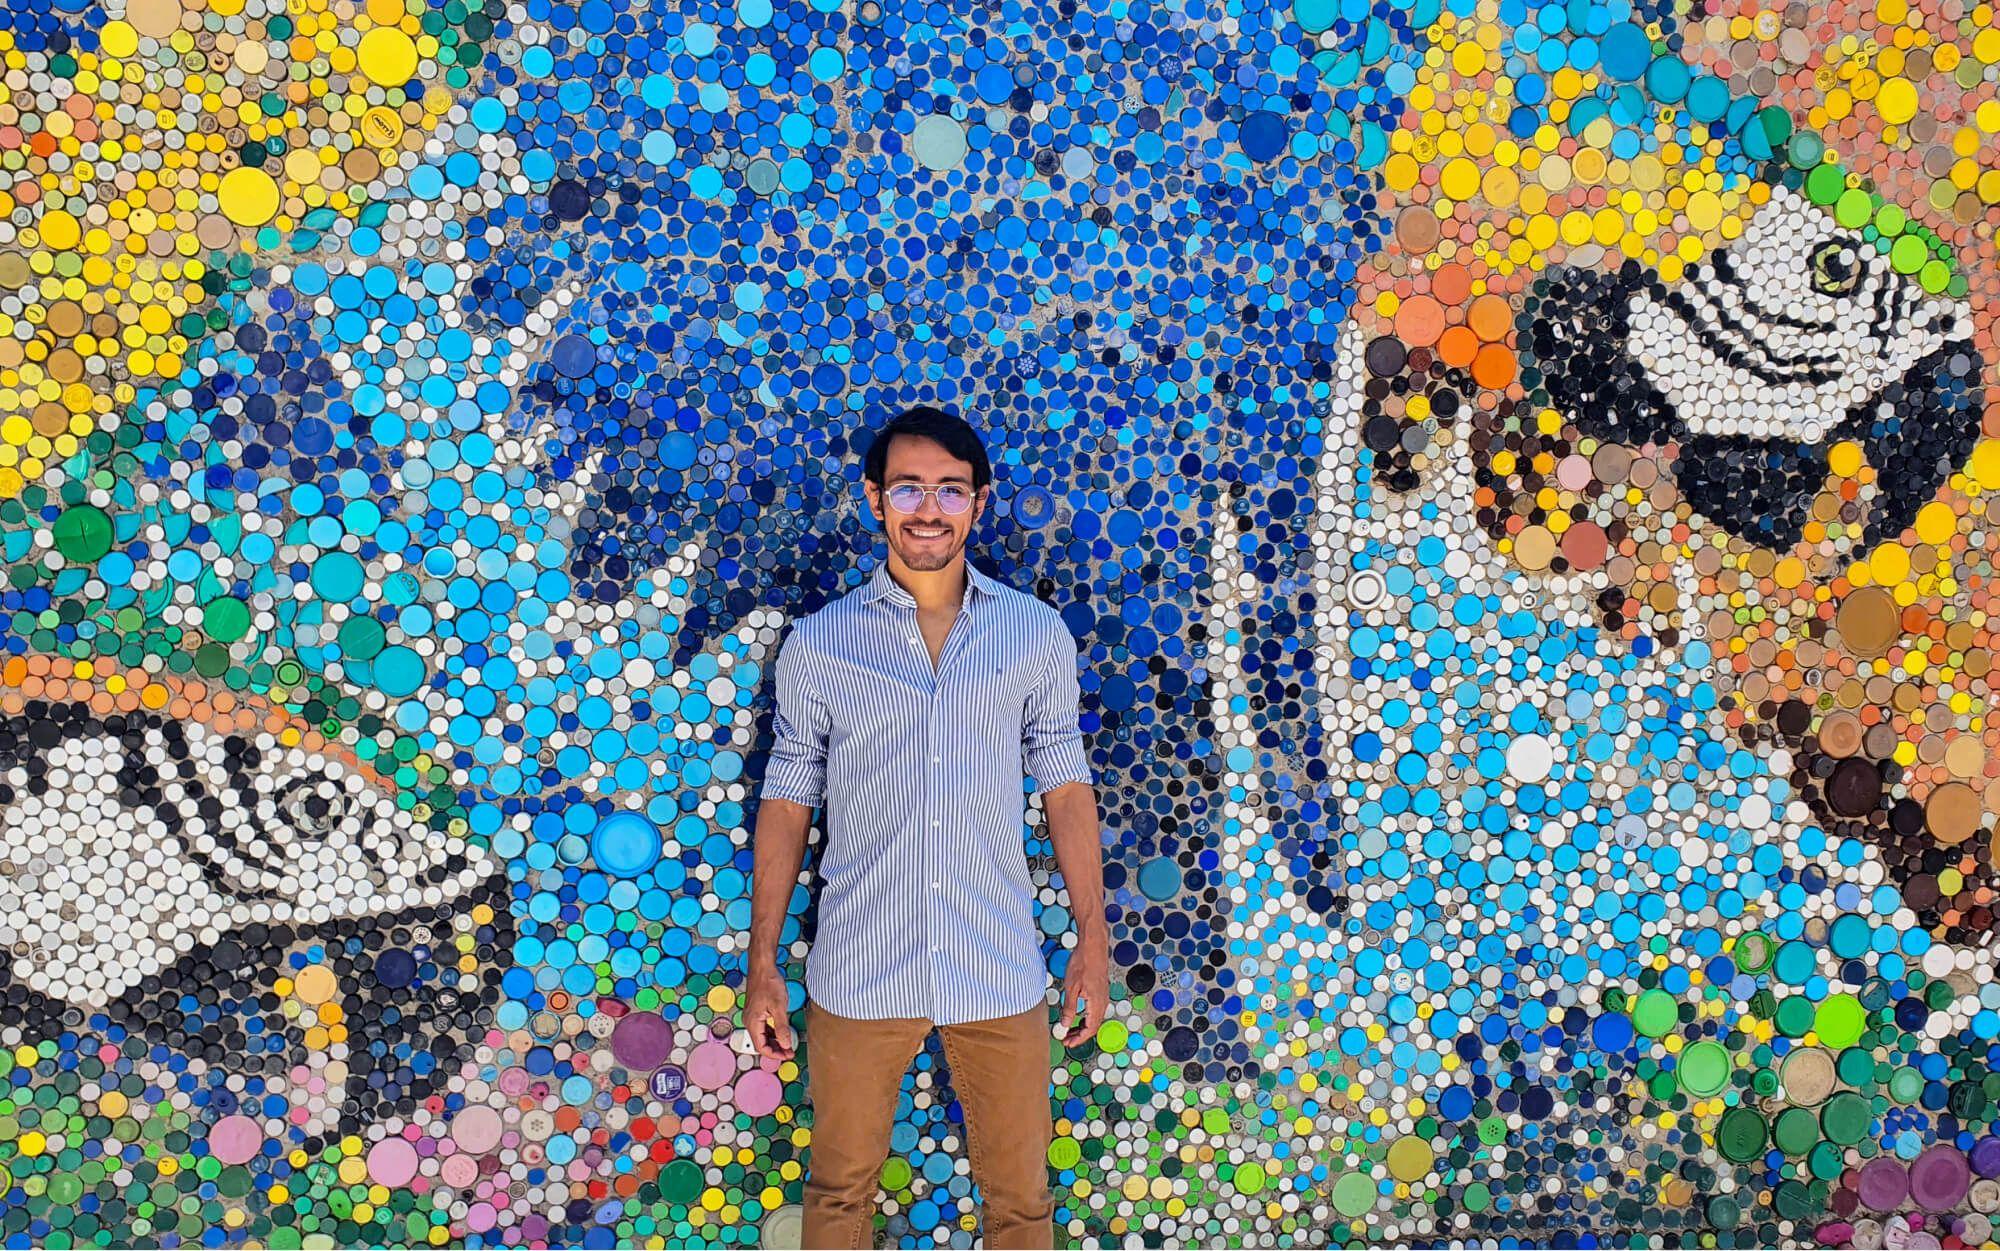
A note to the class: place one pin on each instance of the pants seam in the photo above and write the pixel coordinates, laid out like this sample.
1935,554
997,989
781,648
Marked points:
972,1138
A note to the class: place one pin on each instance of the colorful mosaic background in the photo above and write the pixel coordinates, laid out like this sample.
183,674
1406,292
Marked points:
1518,475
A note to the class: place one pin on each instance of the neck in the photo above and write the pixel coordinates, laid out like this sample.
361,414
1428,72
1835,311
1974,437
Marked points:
932,588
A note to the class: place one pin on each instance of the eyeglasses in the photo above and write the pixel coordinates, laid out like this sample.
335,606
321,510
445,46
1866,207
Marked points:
908,497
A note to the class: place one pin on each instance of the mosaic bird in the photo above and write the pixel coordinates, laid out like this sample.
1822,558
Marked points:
1515,786
1797,335
164,875
1804,334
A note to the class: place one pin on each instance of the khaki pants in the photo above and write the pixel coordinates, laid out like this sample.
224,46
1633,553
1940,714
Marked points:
1000,1072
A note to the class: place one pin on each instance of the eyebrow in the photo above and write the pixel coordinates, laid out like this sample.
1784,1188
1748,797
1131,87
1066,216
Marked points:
955,479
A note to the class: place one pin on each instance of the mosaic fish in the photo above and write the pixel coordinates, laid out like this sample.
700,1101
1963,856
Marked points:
189,836
163,868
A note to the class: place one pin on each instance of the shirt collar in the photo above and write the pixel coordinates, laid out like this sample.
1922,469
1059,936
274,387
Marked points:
883,583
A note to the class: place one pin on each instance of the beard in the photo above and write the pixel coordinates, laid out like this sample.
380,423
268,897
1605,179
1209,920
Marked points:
925,557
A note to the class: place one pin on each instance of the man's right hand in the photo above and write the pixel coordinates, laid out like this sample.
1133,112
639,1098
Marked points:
767,1014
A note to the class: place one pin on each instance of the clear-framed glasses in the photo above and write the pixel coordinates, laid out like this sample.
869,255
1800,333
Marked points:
908,497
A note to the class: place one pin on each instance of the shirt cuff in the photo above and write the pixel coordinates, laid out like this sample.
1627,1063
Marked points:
1058,764
781,784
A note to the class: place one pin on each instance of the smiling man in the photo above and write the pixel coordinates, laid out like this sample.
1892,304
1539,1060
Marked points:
913,708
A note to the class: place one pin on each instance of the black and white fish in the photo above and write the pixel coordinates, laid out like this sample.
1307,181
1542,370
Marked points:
168,877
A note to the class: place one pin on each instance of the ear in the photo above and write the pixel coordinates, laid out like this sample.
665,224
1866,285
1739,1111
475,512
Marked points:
1917,433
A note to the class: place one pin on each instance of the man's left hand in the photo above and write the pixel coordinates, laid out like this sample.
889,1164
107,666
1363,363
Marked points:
1088,980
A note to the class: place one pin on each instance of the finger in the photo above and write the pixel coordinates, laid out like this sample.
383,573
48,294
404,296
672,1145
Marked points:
1077,1010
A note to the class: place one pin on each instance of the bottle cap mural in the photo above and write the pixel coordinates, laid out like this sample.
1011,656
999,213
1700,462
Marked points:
1519,477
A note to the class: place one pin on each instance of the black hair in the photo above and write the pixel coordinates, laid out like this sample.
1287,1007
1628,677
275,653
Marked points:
948,430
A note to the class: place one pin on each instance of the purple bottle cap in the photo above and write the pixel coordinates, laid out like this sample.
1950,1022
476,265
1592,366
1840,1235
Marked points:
642,1041
1882,1184
1939,1178
669,1082
1986,1156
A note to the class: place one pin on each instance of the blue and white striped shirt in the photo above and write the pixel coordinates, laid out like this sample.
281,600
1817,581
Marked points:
926,908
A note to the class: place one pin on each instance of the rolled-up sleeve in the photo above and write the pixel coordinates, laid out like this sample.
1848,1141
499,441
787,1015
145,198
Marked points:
797,768
1051,736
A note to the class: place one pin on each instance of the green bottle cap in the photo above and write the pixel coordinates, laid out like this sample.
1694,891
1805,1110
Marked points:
1906,1085
1796,1131
1753,952
1724,1212
1793,1201
83,533
1656,1013
1840,1020
1826,1161
1857,1066
1704,1069
1741,1135
1845,1118
1967,1101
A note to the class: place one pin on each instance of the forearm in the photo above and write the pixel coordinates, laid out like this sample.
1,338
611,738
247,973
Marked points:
1073,829
780,850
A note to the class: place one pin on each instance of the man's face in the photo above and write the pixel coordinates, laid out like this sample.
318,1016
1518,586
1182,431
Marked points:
928,538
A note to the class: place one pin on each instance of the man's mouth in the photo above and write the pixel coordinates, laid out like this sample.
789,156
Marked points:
924,532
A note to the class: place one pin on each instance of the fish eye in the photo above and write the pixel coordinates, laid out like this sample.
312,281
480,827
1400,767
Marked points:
1835,268
314,805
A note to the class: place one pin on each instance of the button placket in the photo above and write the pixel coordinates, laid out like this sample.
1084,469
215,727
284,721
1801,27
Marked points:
932,801
937,823
929,852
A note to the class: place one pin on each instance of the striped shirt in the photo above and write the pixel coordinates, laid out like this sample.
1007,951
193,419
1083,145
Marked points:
926,907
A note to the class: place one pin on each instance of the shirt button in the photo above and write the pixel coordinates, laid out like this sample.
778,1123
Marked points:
936,759
937,823
937,886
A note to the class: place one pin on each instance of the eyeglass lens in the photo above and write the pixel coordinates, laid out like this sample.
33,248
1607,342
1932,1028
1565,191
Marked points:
908,497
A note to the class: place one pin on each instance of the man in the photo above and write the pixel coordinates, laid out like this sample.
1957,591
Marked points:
913,708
